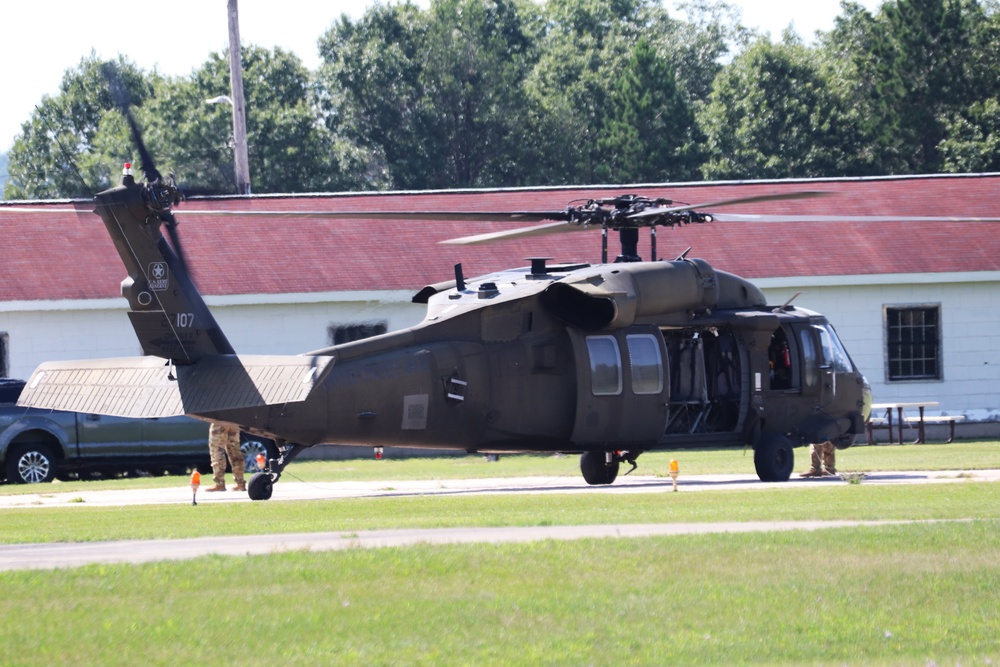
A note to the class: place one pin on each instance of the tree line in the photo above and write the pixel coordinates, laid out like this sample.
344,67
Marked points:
501,93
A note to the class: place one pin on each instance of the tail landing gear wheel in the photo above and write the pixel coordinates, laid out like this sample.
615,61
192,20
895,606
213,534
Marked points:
261,486
773,457
596,469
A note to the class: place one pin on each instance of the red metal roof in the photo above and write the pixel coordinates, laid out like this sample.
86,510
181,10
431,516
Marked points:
69,256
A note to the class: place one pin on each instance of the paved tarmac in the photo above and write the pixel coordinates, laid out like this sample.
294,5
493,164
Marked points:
59,555
48,556
287,489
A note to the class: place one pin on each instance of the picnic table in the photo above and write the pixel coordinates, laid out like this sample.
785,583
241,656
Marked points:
920,421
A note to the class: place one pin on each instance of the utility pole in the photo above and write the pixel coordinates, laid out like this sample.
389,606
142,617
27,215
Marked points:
239,107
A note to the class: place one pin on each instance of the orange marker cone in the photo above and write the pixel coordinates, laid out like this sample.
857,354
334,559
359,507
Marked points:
195,483
261,462
675,470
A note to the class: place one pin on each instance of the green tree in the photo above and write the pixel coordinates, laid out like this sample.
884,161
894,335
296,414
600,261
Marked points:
649,132
916,78
771,115
432,96
288,150
74,143
584,50
48,159
370,80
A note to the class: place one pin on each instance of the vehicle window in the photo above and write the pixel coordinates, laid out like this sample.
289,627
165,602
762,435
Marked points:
605,365
646,363
834,353
810,360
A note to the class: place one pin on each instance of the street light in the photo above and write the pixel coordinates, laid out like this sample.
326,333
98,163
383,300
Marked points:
242,174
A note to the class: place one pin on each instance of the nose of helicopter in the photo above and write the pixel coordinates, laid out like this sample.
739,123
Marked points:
866,398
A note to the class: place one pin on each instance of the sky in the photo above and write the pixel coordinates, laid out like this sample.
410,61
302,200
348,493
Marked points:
41,39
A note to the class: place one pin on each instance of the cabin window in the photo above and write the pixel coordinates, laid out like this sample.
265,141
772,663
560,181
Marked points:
646,363
346,333
913,342
605,365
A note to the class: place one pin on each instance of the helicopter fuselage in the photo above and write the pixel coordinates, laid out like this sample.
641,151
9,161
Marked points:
608,360
622,358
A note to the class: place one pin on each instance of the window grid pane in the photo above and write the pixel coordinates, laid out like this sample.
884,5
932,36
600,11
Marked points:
914,350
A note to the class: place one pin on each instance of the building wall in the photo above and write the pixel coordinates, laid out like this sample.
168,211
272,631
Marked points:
288,324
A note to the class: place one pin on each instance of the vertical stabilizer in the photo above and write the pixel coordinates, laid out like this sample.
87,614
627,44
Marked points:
168,314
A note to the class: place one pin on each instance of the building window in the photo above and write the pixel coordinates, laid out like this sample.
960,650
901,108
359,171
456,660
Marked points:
346,333
4,355
913,342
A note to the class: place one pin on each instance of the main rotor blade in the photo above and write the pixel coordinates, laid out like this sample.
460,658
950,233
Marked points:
738,217
537,230
805,194
443,216
124,102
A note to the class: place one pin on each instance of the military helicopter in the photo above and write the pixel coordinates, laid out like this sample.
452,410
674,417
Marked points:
607,360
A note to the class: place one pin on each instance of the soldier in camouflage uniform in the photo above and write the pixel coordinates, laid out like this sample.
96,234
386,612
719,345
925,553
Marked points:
823,458
223,442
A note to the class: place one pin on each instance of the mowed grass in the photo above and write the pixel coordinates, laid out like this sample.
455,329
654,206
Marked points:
963,499
915,594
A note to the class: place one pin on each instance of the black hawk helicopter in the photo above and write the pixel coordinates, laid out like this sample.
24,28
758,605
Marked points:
607,360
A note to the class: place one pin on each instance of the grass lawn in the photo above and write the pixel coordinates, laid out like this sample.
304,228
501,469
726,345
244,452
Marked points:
917,594
902,595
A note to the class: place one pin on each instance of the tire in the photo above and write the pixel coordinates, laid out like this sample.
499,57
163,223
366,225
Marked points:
596,470
30,464
251,446
774,458
260,487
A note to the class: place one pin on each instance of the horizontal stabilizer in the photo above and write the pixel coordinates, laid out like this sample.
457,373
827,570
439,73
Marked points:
150,387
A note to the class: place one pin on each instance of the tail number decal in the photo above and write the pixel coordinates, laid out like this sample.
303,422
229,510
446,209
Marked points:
185,320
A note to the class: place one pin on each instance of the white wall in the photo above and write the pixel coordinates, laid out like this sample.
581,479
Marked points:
287,324
970,322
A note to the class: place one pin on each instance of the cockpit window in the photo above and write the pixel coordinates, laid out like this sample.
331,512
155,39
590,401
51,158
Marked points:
810,360
834,353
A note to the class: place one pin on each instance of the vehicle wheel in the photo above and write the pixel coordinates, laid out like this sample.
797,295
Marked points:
30,464
260,487
252,446
596,469
773,457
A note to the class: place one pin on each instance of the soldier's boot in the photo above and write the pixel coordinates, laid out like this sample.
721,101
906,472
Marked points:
829,459
241,485
219,486
812,472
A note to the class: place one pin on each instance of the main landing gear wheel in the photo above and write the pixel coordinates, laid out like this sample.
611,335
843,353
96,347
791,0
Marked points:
773,457
261,486
596,469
